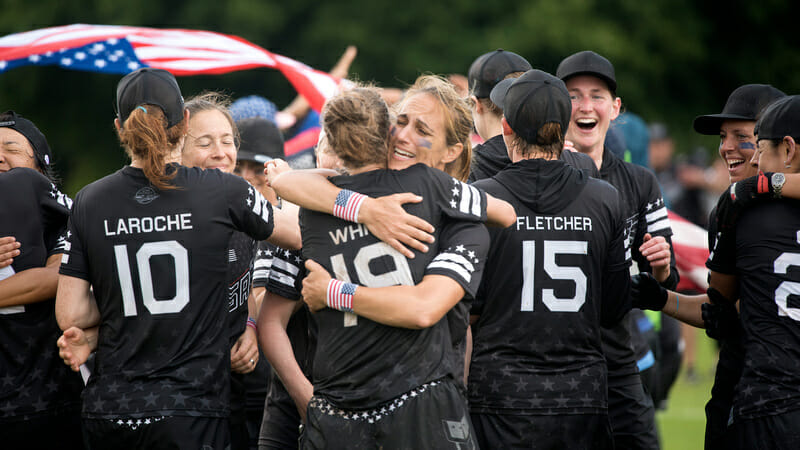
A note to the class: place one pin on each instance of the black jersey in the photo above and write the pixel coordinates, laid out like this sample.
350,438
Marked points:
765,257
158,264
241,258
33,379
491,157
461,244
360,363
645,212
550,281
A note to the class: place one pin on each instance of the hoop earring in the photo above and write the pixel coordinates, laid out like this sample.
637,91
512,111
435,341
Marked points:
786,165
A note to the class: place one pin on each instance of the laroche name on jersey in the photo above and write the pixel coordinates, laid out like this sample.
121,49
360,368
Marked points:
136,225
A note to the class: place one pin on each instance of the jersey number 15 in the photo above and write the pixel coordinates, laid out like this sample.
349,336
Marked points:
555,272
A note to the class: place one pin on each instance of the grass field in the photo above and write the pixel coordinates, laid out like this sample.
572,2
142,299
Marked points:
682,424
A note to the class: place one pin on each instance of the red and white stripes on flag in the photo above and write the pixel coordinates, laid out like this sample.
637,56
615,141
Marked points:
179,51
690,244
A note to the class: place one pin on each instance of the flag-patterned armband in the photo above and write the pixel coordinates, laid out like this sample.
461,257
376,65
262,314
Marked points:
347,205
340,295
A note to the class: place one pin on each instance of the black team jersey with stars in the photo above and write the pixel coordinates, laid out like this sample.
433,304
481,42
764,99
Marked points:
241,257
33,379
551,281
359,363
158,263
644,212
764,255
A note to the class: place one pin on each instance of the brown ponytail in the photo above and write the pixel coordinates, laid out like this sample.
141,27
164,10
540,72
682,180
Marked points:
146,137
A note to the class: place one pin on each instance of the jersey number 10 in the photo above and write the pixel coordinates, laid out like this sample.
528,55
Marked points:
555,272
167,248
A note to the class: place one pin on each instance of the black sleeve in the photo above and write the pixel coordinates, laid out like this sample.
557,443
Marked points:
74,262
616,299
458,200
722,246
654,219
250,212
286,274
462,256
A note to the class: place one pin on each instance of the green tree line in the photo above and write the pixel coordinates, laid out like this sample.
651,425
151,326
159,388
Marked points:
674,59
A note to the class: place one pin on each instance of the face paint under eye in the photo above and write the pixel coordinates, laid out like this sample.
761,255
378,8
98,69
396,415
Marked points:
422,142
747,146
393,130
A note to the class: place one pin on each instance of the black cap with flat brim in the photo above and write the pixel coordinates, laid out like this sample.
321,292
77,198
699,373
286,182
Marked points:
745,103
490,68
531,101
261,140
780,119
588,62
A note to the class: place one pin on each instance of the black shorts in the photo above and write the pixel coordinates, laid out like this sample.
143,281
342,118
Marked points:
433,415
777,432
568,431
718,408
62,431
280,424
631,413
178,432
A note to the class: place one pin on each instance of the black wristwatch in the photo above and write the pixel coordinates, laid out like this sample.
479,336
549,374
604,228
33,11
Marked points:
778,180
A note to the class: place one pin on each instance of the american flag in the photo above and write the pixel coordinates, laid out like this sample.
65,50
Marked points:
347,205
690,244
340,295
123,49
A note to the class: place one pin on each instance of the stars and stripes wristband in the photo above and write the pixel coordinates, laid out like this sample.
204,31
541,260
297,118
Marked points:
347,205
340,295
252,323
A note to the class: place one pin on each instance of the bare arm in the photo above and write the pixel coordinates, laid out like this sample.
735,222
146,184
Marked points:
499,213
687,308
384,216
272,321
244,353
286,231
32,285
416,307
75,304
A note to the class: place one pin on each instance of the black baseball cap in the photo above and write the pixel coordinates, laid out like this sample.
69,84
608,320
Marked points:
531,101
41,150
780,119
490,68
261,140
588,62
152,87
744,103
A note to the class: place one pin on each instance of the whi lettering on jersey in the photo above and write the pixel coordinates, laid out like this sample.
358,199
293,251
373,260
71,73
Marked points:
401,275
348,233
138,225
466,199
6,272
557,223
555,272
180,257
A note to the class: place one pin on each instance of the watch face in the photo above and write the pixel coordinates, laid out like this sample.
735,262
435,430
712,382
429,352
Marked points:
778,179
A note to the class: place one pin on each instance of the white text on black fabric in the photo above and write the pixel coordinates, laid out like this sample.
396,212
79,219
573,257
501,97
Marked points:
136,225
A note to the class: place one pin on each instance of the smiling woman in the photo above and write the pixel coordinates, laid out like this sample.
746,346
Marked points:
212,138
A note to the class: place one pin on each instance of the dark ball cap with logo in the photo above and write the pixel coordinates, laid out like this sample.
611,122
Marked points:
780,119
148,86
261,140
490,68
25,127
588,62
745,103
531,101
